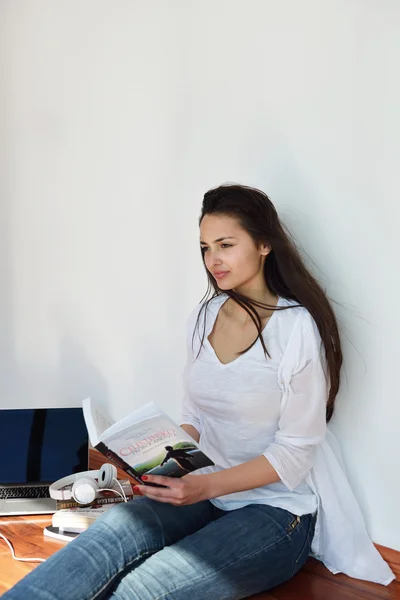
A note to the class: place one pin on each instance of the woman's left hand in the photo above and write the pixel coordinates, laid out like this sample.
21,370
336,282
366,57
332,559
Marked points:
180,491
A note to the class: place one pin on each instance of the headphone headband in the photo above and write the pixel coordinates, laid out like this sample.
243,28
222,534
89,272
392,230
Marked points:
59,494
105,477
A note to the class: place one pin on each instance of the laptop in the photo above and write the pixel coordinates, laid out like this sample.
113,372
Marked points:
37,447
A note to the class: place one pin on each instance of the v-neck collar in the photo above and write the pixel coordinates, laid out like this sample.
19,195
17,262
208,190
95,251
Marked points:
218,306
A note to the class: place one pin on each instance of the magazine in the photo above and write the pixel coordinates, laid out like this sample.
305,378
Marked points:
147,441
78,519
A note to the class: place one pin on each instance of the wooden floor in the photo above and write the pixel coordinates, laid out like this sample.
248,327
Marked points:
313,582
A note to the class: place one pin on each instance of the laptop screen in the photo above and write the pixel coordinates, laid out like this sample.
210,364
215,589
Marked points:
41,445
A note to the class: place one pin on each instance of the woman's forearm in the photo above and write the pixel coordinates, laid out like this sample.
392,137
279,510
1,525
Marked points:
192,431
247,476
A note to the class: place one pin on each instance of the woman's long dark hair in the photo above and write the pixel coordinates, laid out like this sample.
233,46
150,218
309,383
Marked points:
284,270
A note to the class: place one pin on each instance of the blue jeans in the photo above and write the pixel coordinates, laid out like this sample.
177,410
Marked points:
148,550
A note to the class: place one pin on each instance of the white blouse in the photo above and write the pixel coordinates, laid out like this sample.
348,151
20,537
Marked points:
276,407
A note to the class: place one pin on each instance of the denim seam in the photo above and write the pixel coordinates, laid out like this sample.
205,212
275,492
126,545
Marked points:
307,542
137,558
307,539
164,595
158,520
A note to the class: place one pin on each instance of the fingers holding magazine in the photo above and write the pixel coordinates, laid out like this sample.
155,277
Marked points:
188,489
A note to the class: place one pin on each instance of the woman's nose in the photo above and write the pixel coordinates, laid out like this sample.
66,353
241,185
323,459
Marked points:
216,260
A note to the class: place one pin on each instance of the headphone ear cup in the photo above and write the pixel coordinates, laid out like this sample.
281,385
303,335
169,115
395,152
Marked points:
84,490
107,474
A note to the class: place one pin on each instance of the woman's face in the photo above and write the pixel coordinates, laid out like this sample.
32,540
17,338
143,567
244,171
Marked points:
231,255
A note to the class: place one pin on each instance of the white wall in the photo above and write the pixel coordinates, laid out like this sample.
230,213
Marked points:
117,117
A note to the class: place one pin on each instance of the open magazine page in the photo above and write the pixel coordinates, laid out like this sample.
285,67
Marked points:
96,421
157,446
140,414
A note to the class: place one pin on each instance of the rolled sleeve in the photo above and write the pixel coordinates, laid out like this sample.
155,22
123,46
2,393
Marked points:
302,421
189,412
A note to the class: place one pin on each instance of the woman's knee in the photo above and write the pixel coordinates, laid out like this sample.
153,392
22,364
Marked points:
123,512
132,516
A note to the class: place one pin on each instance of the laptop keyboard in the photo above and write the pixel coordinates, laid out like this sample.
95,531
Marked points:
39,491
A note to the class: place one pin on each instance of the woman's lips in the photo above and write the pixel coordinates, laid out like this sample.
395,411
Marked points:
220,274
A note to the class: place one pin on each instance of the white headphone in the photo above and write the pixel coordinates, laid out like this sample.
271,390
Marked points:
84,490
85,487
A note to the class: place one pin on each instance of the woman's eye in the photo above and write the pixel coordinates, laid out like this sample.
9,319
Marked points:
203,248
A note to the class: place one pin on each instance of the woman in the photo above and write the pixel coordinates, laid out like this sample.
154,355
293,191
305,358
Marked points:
263,371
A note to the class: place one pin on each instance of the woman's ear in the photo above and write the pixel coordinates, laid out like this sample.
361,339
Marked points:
265,249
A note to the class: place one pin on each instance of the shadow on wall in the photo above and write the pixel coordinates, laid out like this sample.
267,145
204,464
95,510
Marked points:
75,378
7,347
8,367
78,378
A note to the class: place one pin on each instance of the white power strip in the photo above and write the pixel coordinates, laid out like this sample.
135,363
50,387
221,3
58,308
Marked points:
59,534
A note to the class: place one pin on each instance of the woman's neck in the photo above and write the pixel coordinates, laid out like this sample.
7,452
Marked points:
236,312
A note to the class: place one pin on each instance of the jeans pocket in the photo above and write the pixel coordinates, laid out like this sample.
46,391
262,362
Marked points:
293,524
305,546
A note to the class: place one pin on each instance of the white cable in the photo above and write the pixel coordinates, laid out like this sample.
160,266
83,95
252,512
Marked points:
110,490
123,495
23,559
